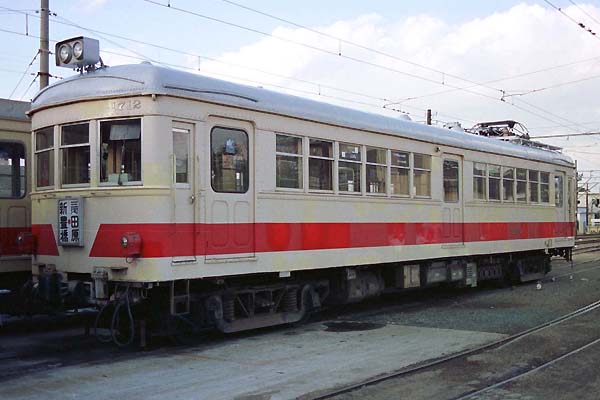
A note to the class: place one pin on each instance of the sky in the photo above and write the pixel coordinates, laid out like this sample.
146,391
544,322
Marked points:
471,61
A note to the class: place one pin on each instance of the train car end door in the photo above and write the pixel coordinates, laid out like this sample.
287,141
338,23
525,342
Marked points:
452,208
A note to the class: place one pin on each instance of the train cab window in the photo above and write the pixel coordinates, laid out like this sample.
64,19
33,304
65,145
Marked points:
349,168
376,170
451,183
181,154
521,185
399,174
120,152
44,158
558,190
12,170
422,175
320,165
75,153
288,164
230,164
479,178
508,184
494,182
534,186
544,187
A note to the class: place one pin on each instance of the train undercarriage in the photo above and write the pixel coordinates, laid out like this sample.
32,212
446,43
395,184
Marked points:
130,310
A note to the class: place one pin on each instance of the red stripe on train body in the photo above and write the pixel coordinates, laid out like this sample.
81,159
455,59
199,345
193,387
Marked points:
172,240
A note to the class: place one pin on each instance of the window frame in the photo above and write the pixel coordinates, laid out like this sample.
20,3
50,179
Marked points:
526,181
485,183
211,158
60,148
331,159
25,170
495,178
99,144
376,165
457,190
513,180
300,156
359,162
546,184
397,167
188,184
413,169
51,151
531,182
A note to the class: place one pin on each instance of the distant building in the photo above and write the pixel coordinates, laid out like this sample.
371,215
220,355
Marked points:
592,224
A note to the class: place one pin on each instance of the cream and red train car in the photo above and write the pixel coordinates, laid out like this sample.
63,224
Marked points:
238,207
15,205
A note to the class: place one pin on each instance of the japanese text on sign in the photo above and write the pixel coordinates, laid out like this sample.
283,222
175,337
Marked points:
70,222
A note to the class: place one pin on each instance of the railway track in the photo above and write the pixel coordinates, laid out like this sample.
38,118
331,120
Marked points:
409,371
587,243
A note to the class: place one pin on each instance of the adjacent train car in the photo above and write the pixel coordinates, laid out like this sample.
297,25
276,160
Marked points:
235,207
15,204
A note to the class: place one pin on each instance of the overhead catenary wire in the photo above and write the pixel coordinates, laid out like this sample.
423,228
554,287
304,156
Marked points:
580,24
360,46
341,40
29,87
585,12
458,88
24,73
316,84
355,59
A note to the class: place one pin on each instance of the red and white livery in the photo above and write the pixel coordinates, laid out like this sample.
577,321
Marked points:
237,207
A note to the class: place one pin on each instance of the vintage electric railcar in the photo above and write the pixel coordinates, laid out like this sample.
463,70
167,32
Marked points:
15,205
236,207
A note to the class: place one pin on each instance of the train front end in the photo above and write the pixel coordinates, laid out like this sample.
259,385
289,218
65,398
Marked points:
102,198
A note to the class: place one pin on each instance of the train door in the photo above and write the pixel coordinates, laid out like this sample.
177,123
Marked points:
452,209
230,195
559,199
184,197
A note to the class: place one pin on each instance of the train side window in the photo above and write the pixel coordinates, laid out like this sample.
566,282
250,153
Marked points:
44,158
288,164
494,182
422,175
181,153
12,170
376,170
349,168
400,173
508,184
558,190
479,174
75,153
320,165
230,164
521,185
544,187
451,194
120,151
534,186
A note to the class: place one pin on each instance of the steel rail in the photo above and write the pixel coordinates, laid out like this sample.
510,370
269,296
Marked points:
497,343
528,372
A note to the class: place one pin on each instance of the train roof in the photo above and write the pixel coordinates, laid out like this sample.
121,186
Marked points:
147,79
14,110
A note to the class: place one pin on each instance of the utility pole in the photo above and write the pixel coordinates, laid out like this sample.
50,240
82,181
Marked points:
44,73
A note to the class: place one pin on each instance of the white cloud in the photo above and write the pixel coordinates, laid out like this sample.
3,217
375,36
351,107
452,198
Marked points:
521,39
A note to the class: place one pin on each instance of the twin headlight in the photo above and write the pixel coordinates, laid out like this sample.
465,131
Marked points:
80,51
